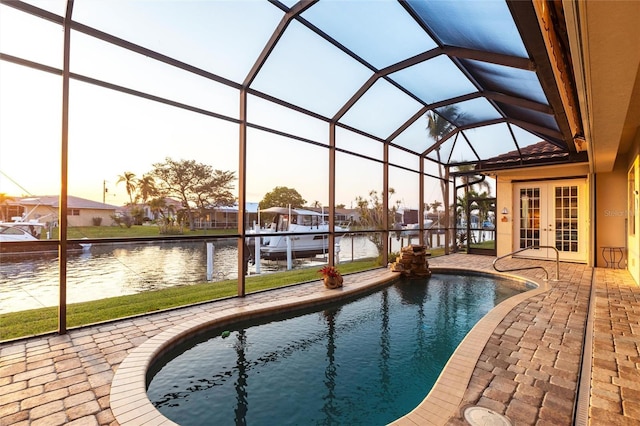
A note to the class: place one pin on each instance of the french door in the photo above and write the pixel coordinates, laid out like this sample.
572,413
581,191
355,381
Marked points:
552,213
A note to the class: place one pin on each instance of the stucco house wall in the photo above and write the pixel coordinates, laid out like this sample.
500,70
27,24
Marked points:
80,211
611,210
505,182
80,217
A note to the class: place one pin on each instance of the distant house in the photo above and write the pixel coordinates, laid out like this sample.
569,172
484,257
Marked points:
80,211
343,216
220,217
346,216
226,217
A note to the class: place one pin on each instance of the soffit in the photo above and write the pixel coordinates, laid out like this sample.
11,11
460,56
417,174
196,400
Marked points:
608,43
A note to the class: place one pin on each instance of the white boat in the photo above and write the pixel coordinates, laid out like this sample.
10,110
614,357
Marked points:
413,229
20,231
23,237
307,224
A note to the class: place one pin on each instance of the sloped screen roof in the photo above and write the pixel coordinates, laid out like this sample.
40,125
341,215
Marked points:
380,69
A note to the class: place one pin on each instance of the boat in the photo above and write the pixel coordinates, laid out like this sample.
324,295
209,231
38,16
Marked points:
24,237
310,227
413,229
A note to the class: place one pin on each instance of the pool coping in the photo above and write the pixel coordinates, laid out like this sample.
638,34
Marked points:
130,404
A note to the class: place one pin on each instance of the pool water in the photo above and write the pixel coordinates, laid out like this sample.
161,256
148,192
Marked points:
368,361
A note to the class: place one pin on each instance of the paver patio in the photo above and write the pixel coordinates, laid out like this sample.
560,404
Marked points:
529,369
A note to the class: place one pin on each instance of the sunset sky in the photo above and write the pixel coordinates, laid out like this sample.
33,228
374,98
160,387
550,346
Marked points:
111,133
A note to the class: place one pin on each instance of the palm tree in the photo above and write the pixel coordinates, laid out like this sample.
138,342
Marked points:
438,127
158,207
129,179
147,188
435,206
484,204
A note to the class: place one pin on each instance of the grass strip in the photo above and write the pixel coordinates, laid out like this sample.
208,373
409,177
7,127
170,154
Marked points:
38,321
79,232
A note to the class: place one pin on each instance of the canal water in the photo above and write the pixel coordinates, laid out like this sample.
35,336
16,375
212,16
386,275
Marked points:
109,270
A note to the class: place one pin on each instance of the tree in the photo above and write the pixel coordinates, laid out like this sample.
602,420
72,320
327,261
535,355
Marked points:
438,127
464,207
435,206
146,188
193,184
215,191
164,214
4,203
130,183
484,205
158,207
137,215
462,202
372,213
469,181
281,196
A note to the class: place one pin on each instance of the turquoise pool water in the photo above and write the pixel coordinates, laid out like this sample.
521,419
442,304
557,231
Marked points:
365,362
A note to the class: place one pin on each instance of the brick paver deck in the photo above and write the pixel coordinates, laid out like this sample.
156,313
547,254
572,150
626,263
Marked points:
528,368
615,381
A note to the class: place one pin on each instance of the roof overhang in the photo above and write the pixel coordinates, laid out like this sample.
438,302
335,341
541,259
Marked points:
604,42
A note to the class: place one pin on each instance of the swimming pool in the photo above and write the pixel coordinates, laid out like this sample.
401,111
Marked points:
367,361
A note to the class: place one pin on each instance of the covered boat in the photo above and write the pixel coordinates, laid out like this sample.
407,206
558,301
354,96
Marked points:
309,229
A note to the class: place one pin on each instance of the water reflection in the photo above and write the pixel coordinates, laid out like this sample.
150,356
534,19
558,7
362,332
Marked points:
108,270
241,383
357,363
330,407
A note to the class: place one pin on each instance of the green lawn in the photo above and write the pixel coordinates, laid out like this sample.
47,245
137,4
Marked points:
133,232
489,244
37,321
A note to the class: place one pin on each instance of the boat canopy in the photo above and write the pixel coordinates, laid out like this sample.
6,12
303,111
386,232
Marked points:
285,210
22,224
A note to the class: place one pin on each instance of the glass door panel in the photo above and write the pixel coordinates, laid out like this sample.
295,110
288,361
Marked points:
566,220
529,217
550,214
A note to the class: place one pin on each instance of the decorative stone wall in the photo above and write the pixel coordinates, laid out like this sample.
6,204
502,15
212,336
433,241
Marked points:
412,262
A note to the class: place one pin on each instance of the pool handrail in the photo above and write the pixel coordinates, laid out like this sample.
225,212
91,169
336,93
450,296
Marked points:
530,267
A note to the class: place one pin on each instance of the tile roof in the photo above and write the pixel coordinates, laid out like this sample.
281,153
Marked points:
72,202
540,152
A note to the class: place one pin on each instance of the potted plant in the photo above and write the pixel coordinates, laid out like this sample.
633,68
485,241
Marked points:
331,277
